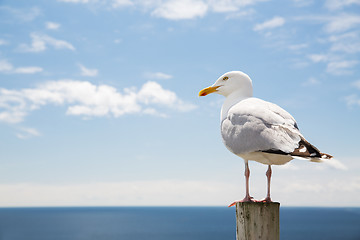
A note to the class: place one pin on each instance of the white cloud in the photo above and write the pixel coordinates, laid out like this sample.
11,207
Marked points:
333,186
356,84
311,82
336,164
334,23
341,23
28,70
334,64
86,99
88,72
124,193
75,1
121,3
319,58
223,5
299,63
240,14
25,15
339,4
348,42
52,25
341,42
303,3
41,41
153,93
341,67
353,99
6,67
181,9
3,42
25,133
158,75
297,47
291,190
270,24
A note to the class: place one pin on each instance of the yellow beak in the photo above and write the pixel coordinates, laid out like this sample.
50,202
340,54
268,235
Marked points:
208,90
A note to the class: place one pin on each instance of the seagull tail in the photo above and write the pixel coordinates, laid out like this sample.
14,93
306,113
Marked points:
310,152
324,157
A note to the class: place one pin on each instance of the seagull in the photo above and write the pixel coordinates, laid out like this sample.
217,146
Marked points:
257,130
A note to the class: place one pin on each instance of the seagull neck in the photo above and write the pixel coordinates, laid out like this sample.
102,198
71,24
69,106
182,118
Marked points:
230,101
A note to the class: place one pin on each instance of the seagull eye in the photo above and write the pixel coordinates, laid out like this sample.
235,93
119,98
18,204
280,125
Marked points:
225,78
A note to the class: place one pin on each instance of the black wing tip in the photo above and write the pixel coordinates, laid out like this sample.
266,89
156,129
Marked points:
326,156
305,150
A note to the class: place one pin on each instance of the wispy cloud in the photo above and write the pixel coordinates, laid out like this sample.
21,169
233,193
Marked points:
297,47
40,42
181,9
178,9
24,15
311,82
75,1
303,3
348,42
225,6
352,100
320,57
88,72
170,192
128,193
25,133
157,75
339,4
339,39
342,22
28,70
52,25
341,67
86,99
356,84
6,67
3,42
121,3
335,65
336,164
334,23
270,24
240,14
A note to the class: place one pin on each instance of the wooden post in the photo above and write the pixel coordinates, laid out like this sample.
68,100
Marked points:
257,221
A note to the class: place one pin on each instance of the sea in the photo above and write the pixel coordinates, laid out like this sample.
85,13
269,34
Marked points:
168,223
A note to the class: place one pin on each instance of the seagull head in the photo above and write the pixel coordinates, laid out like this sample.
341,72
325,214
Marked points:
234,82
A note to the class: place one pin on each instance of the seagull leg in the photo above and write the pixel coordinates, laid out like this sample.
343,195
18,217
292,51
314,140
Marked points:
247,176
268,175
247,196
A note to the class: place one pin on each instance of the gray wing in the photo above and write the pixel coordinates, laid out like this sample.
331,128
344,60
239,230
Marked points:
256,125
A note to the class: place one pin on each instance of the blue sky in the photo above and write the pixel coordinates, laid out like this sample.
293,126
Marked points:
99,105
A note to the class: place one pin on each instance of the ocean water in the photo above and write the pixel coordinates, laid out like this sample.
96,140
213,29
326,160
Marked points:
168,223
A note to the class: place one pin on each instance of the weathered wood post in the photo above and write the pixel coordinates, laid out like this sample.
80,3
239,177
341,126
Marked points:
257,221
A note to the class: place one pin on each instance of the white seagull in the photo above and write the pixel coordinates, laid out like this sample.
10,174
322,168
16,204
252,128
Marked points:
256,130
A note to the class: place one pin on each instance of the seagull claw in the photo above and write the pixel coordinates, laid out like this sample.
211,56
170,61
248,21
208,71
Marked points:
246,199
266,200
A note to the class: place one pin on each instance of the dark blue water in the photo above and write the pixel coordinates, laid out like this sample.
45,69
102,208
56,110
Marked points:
168,223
